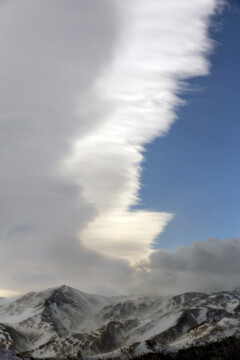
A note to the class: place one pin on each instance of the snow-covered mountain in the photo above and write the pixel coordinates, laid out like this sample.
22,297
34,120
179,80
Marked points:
63,322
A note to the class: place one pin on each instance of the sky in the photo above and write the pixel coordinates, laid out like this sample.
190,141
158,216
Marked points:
201,150
119,145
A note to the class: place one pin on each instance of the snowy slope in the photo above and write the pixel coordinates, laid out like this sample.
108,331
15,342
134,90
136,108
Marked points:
63,322
209,332
43,316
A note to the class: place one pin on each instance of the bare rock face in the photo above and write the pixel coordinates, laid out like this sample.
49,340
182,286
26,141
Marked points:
64,323
7,355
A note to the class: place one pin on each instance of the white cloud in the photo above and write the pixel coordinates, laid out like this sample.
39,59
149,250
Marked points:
125,235
162,43
84,86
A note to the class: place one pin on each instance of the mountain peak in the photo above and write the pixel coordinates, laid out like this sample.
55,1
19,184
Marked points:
64,288
63,321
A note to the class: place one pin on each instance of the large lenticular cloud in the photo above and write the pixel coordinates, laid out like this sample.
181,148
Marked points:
84,86
162,43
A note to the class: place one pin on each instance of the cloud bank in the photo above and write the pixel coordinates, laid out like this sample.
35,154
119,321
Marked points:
203,266
85,85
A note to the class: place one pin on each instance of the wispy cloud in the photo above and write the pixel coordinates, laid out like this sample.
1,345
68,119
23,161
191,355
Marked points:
161,44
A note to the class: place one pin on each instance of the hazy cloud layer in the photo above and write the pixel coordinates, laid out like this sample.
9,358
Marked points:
84,86
203,266
52,53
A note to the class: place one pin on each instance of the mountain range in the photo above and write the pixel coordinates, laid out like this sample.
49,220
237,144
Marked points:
64,323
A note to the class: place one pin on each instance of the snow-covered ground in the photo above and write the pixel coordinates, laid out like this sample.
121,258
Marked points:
209,332
64,322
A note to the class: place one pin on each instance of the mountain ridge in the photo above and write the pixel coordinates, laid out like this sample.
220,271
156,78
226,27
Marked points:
64,322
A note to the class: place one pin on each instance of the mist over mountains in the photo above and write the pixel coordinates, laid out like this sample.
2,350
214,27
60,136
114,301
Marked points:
63,323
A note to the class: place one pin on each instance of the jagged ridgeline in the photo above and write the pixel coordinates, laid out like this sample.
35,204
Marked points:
64,323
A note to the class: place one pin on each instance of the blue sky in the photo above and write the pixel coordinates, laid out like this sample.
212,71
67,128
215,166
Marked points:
194,171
